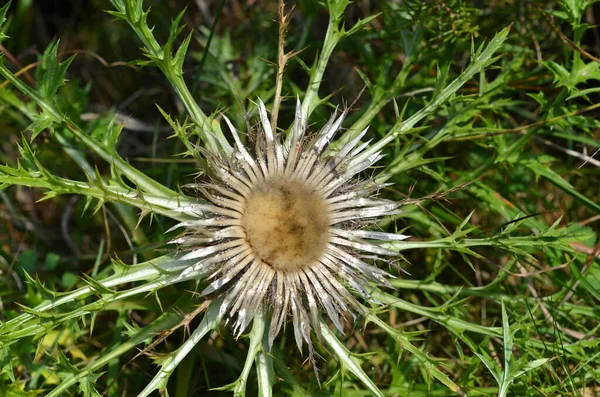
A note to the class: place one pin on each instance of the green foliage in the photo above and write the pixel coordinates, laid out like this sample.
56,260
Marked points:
3,12
489,135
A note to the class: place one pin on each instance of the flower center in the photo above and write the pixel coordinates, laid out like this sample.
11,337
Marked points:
286,223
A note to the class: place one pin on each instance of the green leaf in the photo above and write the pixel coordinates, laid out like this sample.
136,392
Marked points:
41,122
86,385
6,366
580,73
548,174
593,290
54,72
174,31
3,12
530,366
171,66
574,10
431,364
348,360
133,12
359,25
138,336
169,363
97,286
336,9
506,379
480,59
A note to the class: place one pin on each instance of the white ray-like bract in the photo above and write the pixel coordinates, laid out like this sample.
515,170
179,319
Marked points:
281,229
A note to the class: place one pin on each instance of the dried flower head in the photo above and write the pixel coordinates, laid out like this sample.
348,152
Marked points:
281,228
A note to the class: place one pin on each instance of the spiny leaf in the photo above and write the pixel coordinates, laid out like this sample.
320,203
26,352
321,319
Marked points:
5,365
174,31
97,286
37,284
547,173
133,12
53,72
86,385
336,8
431,364
359,25
179,57
113,132
3,12
348,359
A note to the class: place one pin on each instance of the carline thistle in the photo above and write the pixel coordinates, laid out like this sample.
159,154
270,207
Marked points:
282,229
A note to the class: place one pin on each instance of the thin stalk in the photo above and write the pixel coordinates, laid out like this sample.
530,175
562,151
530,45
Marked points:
480,61
257,335
347,360
159,382
142,181
332,37
446,320
159,204
165,321
264,365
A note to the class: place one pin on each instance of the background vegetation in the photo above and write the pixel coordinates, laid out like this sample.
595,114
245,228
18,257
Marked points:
500,185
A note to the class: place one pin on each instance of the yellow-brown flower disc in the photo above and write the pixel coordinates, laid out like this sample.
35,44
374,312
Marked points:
286,224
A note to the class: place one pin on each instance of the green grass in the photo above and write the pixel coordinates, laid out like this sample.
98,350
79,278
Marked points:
489,121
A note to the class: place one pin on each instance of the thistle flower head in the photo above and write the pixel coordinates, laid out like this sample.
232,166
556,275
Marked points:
281,228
